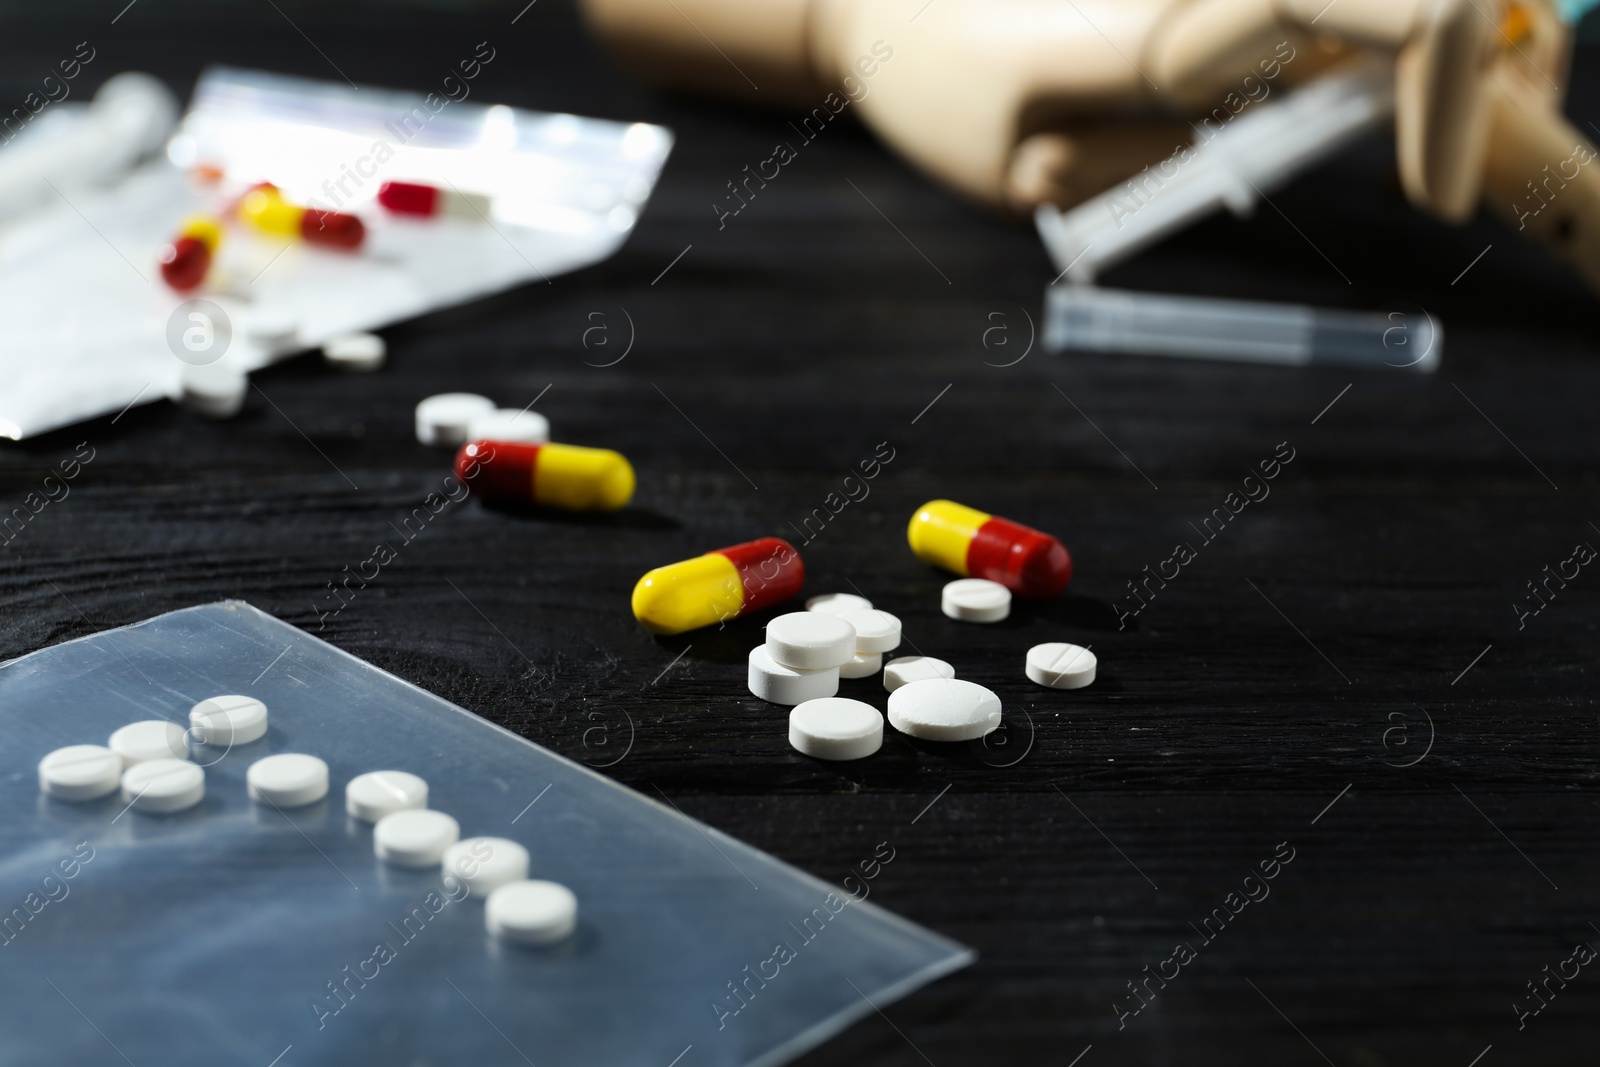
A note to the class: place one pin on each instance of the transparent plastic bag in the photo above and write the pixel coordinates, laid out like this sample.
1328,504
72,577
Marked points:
236,933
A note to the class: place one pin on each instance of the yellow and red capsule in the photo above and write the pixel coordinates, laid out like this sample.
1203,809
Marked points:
185,262
556,476
265,208
718,586
976,544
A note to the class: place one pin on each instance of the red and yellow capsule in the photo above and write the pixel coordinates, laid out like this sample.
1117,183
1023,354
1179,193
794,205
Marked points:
556,476
265,208
718,586
979,545
185,262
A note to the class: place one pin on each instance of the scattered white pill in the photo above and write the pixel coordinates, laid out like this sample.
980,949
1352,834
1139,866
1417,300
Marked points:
976,600
215,390
810,640
1060,665
509,424
80,772
905,669
446,419
863,666
414,838
356,351
876,631
532,913
836,728
228,720
287,780
487,863
163,786
151,739
944,709
838,603
371,796
777,684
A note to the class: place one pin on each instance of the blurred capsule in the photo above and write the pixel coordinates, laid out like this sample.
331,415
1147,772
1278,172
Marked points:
186,260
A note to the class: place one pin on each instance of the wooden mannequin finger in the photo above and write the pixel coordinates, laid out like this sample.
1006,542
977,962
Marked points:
1543,176
1067,167
1442,106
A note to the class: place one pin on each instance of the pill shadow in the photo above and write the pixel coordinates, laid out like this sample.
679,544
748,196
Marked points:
729,643
1082,612
627,518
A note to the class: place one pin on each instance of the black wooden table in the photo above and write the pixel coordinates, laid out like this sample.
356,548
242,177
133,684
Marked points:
1338,687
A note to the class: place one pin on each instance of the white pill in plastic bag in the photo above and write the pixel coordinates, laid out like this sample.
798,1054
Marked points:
810,640
1060,665
862,666
215,390
486,863
163,786
414,838
228,720
80,772
287,780
148,740
876,631
371,796
838,603
356,351
836,728
532,913
975,600
777,684
905,669
509,424
445,419
944,709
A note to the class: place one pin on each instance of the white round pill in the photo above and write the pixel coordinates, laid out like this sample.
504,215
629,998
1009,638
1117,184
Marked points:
905,669
777,684
228,720
532,913
356,351
876,631
486,863
414,838
371,796
810,640
976,600
509,424
1060,665
862,666
151,739
80,772
163,786
446,418
836,728
838,603
287,780
944,709
215,390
